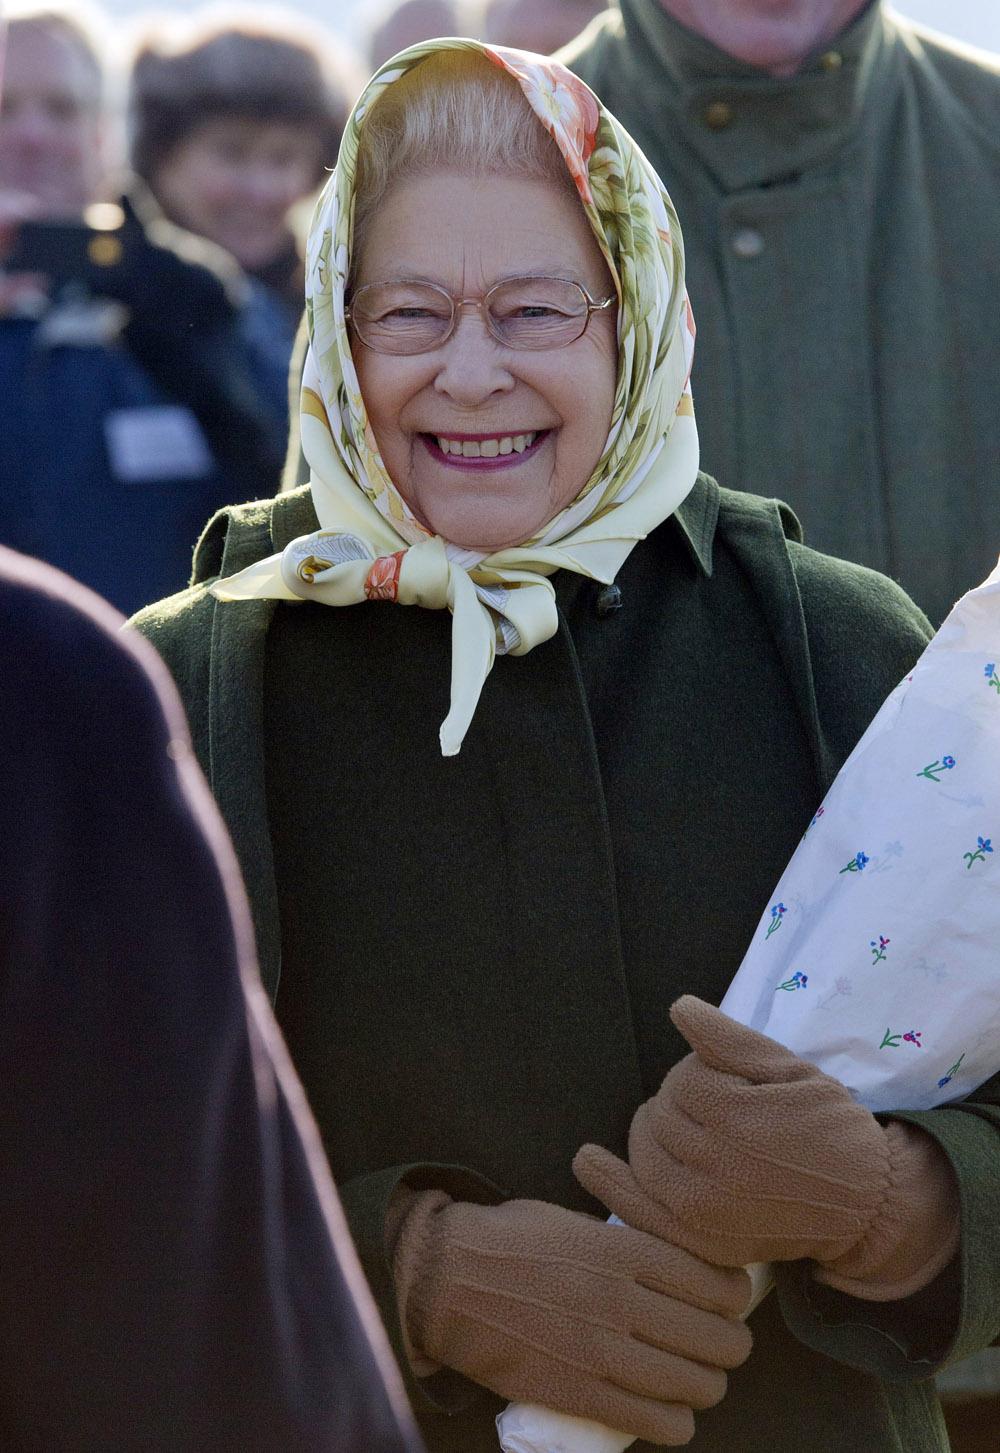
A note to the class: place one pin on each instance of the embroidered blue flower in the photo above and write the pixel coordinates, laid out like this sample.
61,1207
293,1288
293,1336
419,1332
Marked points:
797,981
778,912
979,856
934,769
949,1075
857,863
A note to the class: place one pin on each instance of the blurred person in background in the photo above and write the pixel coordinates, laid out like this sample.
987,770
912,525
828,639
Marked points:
133,397
235,120
822,150
54,121
538,25
177,1274
400,25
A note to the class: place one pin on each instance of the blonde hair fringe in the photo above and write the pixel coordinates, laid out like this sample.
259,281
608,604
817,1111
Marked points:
457,112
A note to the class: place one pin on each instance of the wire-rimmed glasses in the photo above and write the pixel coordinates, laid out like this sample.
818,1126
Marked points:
406,316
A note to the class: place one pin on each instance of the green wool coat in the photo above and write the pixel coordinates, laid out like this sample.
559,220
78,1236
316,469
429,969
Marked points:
473,958
841,230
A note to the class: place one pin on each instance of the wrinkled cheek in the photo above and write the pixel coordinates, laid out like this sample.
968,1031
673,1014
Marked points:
566,480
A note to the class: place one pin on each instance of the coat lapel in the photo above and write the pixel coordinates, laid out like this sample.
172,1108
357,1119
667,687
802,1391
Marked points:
236,711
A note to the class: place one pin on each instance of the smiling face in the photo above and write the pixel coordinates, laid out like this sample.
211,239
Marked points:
234,180
538,421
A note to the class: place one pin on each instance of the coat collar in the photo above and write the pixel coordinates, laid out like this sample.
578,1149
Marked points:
695,520
292,514
750,128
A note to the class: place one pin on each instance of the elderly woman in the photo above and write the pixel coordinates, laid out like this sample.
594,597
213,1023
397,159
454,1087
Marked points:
479,940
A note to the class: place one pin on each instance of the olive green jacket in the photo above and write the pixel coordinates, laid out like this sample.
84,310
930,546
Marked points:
476,954
841,232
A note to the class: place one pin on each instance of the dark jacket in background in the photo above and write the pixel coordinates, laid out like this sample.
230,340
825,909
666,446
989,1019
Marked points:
284,278
841,232
176,1276
122,431
473,957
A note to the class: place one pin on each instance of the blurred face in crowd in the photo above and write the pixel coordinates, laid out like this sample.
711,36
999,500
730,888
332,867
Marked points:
539,25
234,180
51,135
534,423
776,35
409,23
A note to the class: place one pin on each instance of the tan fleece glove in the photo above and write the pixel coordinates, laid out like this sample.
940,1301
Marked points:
549,1306
748,1153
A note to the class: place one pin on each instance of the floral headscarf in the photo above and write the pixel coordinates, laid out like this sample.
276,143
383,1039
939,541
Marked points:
370,546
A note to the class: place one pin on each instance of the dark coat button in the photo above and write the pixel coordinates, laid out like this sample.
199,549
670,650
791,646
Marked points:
609,599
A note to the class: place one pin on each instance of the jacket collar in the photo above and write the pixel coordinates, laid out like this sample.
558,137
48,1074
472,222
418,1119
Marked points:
695,520
746,126
292,514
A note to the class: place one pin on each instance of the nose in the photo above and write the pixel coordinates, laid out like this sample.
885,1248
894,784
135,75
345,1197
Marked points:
267,188
472,365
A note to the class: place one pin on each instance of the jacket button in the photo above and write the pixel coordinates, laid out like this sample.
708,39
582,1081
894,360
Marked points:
609,599
718,115
748,243
831,60
105,250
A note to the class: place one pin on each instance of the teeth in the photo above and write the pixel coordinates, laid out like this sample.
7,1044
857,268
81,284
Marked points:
486,448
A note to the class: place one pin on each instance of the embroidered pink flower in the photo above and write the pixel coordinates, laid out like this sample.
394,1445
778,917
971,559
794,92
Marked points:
382,582
565,106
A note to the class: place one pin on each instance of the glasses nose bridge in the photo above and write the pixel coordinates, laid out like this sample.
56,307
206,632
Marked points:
481,306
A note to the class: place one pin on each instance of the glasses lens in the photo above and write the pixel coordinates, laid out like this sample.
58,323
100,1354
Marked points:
401,317
537,312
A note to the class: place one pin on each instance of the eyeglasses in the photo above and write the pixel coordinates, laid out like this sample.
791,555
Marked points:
532,313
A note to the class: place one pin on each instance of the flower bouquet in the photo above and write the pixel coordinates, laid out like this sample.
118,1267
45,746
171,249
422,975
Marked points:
876,957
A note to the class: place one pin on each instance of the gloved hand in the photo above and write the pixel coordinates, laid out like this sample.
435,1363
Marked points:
748,1153
549,1306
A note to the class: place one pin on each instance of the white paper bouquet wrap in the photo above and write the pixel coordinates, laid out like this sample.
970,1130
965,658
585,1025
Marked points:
877,956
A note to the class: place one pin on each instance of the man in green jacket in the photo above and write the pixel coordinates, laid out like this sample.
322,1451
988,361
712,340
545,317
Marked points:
837,174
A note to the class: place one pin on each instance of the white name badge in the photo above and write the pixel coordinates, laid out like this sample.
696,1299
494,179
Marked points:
156,442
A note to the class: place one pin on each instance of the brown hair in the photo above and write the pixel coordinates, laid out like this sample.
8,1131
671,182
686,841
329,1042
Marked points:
235,70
